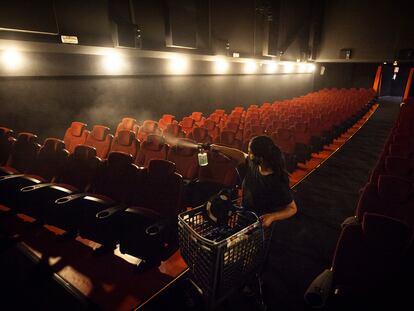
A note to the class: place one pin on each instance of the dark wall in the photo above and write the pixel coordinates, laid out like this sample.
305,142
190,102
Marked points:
375,31
243,26
394,87
46,106
341,75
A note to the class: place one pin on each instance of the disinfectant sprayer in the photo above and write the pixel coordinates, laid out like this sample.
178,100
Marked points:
202,154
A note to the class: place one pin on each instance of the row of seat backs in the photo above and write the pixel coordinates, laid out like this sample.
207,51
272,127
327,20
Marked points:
185,156
100,138
46,161
28,157
197,120
157,187
301,103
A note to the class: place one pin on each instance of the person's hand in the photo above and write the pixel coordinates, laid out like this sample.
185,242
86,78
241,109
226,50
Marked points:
214,147
267,220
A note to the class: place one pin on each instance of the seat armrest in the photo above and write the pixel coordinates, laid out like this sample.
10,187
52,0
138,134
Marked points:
352,220
5,177
319,290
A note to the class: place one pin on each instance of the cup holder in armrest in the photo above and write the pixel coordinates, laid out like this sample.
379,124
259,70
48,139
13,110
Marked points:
153,230
69,198
110,211
62,200
103,214
35,187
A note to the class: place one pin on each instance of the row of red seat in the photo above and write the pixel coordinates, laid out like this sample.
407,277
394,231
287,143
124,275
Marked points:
299,126
25,155
375,253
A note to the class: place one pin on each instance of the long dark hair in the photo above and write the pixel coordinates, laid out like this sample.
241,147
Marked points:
267,153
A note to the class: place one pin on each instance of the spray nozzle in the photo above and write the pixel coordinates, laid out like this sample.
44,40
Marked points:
204,146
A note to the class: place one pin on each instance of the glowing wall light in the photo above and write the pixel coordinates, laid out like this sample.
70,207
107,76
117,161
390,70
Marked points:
250,67
178,65
113,62
311,67
12,59
302,68
271,67
288,67
221,66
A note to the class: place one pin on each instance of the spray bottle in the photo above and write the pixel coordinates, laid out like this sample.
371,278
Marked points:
202,154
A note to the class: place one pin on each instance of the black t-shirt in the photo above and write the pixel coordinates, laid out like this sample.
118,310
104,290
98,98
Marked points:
263,193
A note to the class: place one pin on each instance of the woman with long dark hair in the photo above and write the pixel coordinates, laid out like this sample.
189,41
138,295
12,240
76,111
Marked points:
266,188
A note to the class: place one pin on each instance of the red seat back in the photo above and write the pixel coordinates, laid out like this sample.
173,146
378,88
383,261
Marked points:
129,124
116,178
24,153
75,135
200,135
51,158
148,127
185,158
162,189
81,168
126,142
229,139
101,140
153,148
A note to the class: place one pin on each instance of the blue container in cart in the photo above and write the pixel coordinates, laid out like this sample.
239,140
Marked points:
220,259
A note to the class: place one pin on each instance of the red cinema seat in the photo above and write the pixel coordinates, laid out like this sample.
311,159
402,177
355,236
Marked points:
173,131
76,176
391,196
149,227
368,267
185,157
187,124
101,140
212,128
200,135
125,141
114,186
221,172
149,127
129,124
229,139
75,135
165,120
22,156
50,160
154,147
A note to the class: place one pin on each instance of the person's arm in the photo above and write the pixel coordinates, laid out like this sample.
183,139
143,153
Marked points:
233,153
287,212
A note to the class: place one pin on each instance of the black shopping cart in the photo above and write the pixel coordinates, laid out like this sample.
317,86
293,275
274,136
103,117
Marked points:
220,260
